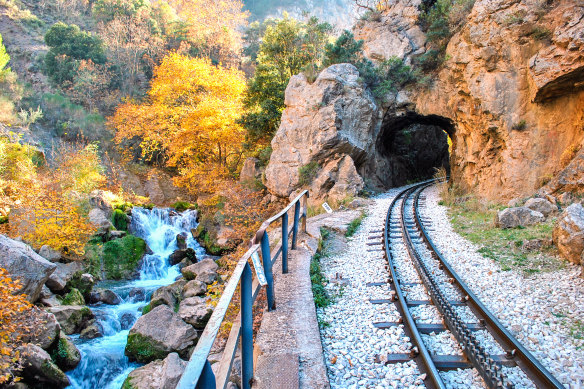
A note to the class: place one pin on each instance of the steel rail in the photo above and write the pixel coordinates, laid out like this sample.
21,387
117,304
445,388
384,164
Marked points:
424,360
534,370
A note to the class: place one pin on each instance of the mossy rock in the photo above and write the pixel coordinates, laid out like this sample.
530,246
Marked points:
53,374
147,308
74,297
93,254
120,220
65,354
128,384
206,240
122,257
141,349
181,206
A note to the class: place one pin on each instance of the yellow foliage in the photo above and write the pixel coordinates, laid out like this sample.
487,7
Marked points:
191,115
11,328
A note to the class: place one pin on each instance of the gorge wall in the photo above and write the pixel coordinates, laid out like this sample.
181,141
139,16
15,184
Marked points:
510,95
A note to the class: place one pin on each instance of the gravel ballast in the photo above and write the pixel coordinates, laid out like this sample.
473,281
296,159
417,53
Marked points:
535,309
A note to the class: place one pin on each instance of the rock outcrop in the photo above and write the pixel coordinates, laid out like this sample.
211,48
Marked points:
163,374
26,266
327,128
568,234
148,340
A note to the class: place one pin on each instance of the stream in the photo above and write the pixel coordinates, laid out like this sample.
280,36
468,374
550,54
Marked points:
103,363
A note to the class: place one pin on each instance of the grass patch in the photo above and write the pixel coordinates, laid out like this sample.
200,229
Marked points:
355,224
322,299
474,220
308,173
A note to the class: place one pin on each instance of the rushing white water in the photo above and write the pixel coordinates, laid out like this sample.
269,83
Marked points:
103,363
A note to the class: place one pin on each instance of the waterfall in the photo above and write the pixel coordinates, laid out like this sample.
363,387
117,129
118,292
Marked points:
103,363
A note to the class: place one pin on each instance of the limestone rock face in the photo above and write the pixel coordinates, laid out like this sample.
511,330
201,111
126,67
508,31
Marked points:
518,217
250,170
23,264
568,234
163,374
149,340
330,124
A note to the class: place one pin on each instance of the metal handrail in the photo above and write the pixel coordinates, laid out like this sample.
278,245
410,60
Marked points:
198,373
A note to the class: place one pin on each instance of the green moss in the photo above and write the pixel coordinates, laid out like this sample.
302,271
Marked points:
141,349
128,384
51,371
181,206
65,354
120,220
122,256
147,308
74,297
3,219
93,254
322,299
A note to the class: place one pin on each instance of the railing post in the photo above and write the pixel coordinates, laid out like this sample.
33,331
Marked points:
295,226
246,328
304,212
285,243
207,378
267,261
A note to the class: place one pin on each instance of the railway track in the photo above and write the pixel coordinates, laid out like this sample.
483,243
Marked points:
482,342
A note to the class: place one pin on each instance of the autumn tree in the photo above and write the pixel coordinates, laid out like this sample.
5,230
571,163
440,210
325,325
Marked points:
190,115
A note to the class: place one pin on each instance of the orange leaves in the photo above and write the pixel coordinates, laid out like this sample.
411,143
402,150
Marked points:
11,306
191,114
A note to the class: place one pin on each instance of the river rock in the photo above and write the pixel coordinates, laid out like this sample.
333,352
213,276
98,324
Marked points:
543,206
169,295
39,368
105,296
74,297
127,320
72,318
92,330
159,333
518,216
181,241
50,254
195,311
46,329
568,234
65,353
137,294
206,265
163,374
194,288
62,275
26,266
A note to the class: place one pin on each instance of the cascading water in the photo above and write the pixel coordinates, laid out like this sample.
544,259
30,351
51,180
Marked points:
103,363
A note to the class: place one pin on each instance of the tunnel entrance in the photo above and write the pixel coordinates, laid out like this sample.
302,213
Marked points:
411,147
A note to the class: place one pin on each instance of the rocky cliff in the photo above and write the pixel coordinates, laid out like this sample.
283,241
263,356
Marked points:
510,95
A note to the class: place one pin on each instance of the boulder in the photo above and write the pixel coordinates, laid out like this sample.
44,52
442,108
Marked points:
84,283
38,368
92,330
62,275
207,277
65,353
543,206
105,296
568,234
117,234
50,254
566,198
99,199
207,265
74,297
72,318
163,374
46,329
181,241
149,340
127,320
195,311
194,288
517,216
99,219
169,295
137,294
26,266
51,301
536,244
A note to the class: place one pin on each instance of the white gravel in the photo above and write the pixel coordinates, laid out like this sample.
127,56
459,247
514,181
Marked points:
541,310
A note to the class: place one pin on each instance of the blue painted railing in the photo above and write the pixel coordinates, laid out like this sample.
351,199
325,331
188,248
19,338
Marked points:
198,373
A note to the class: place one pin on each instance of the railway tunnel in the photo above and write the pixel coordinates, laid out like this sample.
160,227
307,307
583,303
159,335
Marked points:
410,147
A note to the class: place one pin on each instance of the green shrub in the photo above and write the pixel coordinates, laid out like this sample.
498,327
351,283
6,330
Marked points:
74,297
181,206
308,172
541,33
322,299
520,126
394,74
344,50
354,225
